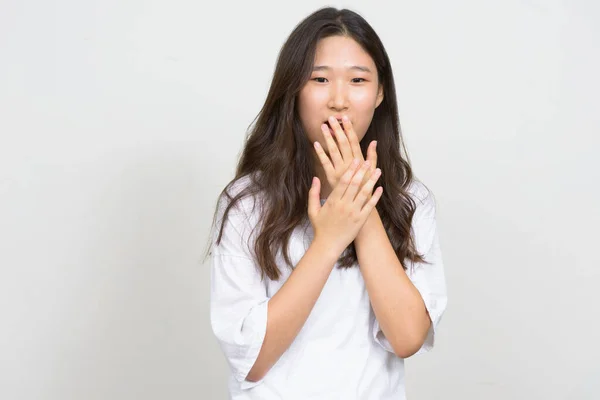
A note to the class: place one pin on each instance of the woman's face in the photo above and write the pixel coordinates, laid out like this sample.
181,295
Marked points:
343,82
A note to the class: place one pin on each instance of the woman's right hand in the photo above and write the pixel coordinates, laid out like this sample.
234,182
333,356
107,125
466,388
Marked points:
337,222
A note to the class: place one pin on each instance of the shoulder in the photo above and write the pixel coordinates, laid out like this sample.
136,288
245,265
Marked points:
234,225
244,207
423,197
244,217
424,219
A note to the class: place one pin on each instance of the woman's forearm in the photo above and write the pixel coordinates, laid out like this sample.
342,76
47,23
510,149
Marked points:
396,302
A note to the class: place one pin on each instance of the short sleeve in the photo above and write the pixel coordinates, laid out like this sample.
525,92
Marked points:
428,278
238,299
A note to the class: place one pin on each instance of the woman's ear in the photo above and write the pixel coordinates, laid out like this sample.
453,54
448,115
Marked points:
379,96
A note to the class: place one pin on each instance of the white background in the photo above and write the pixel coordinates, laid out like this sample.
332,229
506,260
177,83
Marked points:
121,121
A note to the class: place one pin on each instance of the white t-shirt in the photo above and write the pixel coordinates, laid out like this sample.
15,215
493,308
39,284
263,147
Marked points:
340,352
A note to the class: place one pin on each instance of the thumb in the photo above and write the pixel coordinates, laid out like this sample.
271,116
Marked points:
314,197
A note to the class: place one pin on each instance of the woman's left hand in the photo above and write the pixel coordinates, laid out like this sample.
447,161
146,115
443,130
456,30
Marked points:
344,151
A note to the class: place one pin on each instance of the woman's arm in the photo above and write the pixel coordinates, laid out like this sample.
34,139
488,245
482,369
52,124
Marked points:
396,302
289,308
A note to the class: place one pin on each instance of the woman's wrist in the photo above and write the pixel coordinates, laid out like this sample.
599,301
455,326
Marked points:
331,251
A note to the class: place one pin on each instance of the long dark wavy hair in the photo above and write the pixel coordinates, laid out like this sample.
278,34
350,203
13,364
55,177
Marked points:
277,155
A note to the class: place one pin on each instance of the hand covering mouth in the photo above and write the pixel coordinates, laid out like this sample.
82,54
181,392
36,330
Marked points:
340,122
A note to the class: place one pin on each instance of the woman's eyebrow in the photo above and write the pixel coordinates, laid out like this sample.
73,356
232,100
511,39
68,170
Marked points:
352,67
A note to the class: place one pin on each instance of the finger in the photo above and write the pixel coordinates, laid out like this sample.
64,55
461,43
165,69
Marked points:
352,138
334,153
356,182
372,155
344,181
366,210
314,198
342,140
367,190
325,161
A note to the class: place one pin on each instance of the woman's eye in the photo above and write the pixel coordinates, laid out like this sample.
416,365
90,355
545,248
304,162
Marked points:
354,80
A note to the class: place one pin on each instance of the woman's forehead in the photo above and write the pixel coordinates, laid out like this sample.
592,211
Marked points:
341,52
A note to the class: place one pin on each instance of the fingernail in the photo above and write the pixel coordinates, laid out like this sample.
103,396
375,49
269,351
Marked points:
345,118
375,145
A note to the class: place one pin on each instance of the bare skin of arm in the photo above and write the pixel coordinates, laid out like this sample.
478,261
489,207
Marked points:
396,302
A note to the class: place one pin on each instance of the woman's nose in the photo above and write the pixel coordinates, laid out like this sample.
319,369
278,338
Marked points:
338,97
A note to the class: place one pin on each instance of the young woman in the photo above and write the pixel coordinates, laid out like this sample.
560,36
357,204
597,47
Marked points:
326,267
